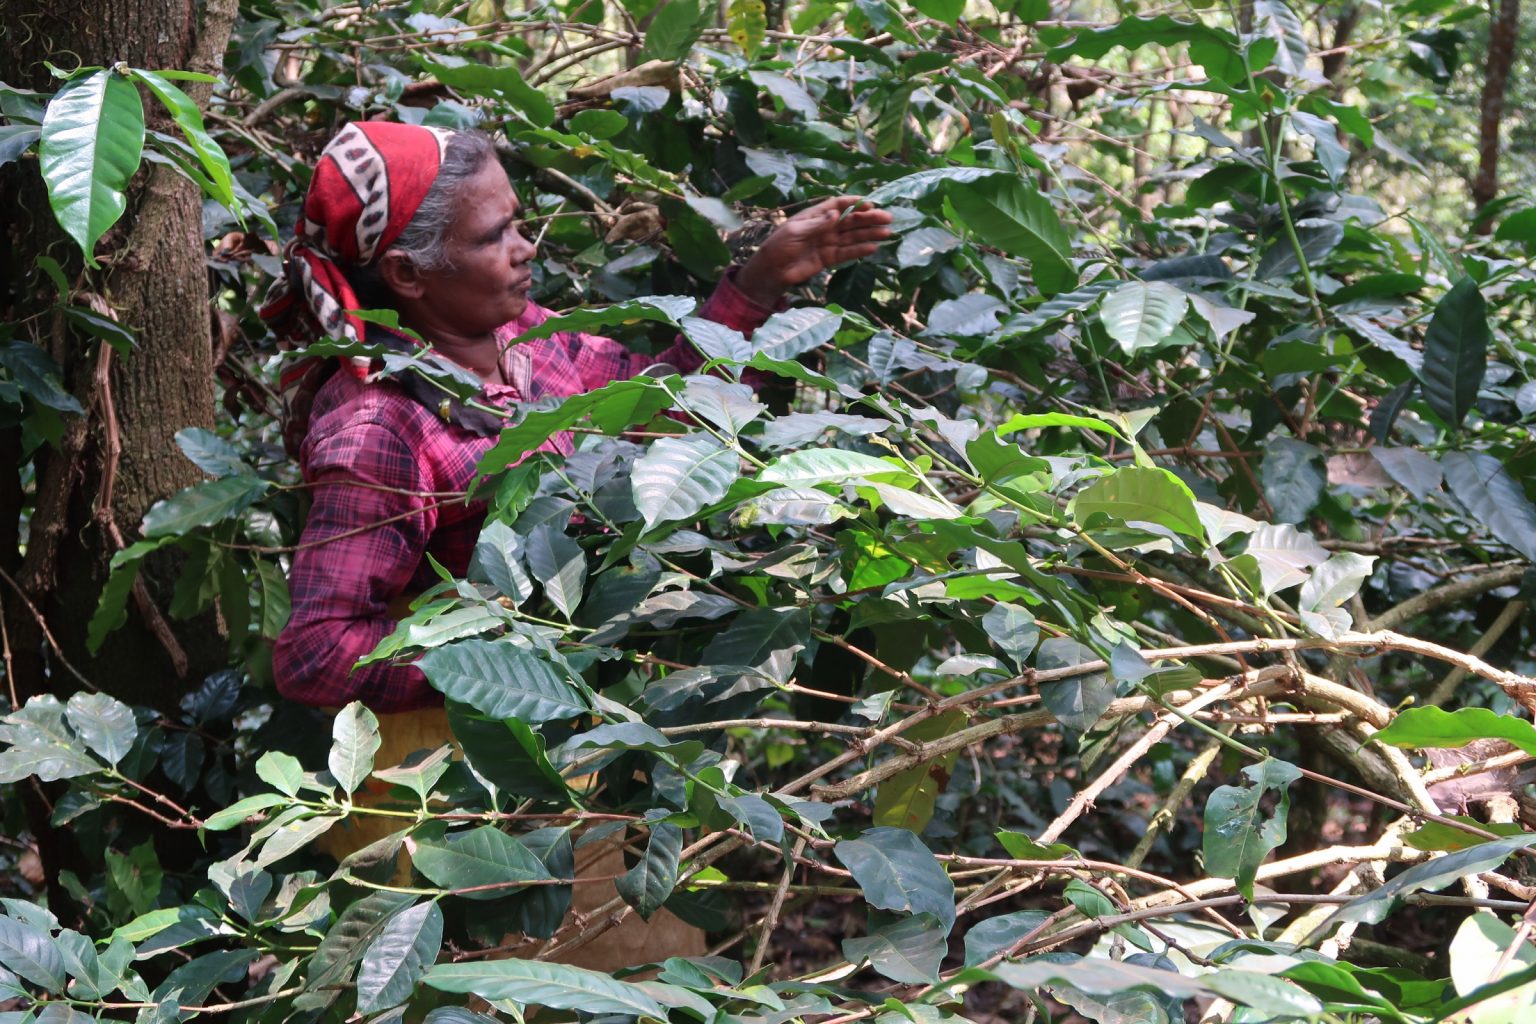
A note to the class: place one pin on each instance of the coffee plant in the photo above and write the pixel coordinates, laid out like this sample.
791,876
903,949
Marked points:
1108,602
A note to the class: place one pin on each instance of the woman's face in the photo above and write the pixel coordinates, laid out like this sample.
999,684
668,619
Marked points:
488,285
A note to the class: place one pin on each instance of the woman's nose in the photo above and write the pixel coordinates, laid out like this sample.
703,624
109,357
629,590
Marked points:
522,249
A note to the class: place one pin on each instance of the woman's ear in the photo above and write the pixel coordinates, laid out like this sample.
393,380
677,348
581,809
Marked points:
401,275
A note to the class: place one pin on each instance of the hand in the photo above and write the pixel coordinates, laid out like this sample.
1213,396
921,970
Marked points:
814,239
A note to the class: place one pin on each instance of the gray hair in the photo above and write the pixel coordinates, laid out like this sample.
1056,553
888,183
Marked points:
425,239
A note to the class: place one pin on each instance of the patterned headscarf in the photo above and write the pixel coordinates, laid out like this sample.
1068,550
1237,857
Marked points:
369,182
366,188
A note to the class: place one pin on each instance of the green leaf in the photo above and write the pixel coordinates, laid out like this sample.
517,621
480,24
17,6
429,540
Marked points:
501,680
292,836
679,476
395,961
600,124
236,813
32,954
1079,701
203,504
1141,315
788,334
1013,630
1217,50
544,984
92,139
824,466
211,453
508,753
484,856
1021,847
559,563
1437,837
1456,352
1293,474
105,724
648,884
725,404
947,11
1140,494
1431,728
667,309
41,745
1009,213
716,341
281,771
1237,835
190,120
907,950
346,942
995,935
673,30
354,741
907,799
1431,876
38,376
1277,21
16,139
134,879
1494,499
920,183
1097,976
497,81
897,872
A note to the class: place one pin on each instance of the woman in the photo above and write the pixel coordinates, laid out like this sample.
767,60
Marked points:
425,221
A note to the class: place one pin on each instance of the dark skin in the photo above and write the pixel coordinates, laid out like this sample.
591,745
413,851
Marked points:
459,310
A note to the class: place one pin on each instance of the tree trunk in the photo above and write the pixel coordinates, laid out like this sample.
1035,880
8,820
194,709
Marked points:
94,485
1502,33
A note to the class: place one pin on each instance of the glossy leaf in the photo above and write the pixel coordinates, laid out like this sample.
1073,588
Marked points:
1456,352
648,884
897,872
907,950
92,138
41,744
1138,494
105,724
559,563
354,741
484,858
190,120
677,477
1431,876
1238,836
1079,700
1140,315
1495,500
532,982
795,331
1431,727
396,960
1008,213
501,680
203,504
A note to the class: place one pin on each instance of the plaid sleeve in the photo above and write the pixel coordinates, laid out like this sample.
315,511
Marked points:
347,570
600,360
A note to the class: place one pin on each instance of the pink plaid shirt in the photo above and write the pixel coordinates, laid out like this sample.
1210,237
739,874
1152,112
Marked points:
380,463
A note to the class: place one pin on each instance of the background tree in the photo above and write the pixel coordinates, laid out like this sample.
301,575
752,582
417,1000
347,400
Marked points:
1172,468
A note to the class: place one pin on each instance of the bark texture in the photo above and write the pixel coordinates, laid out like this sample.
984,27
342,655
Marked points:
1502,33
93,486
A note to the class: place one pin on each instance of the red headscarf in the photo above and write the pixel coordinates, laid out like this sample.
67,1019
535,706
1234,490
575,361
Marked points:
365,190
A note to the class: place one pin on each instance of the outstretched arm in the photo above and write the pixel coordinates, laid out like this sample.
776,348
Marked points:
815,239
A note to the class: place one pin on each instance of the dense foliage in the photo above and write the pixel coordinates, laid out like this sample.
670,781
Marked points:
1051,627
